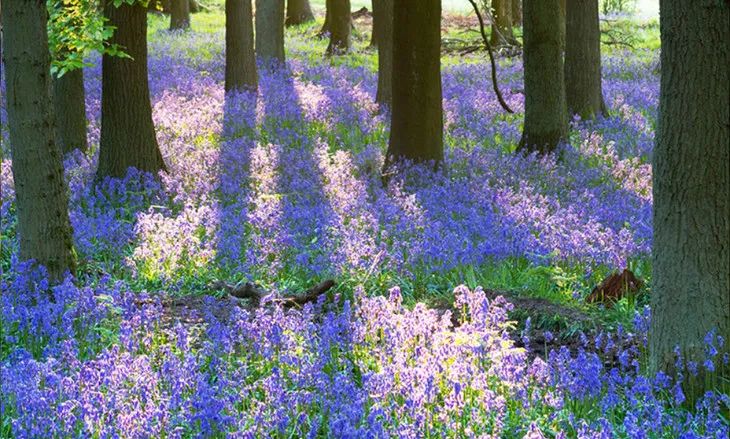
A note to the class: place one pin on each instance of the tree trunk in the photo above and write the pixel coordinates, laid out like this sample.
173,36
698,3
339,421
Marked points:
340,18
377,22
127,132
546,118
416,131
43,226
583,91
385,52
240,57
561,27
326,25
516,13
298,12
502,26
179,14
691,250
270,30
70,109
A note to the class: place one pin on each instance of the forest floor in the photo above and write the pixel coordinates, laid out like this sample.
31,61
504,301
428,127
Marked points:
460,300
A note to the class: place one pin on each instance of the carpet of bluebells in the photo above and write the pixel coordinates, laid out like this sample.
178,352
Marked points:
284,188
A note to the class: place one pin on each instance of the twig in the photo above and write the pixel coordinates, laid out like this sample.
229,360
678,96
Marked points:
501,100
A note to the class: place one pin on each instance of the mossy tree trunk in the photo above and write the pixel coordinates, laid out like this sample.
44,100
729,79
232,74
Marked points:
546,119
240,57
691,248
583,89
43,226
127,132
416,131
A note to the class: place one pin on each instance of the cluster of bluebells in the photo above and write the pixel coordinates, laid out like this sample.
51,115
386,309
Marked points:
286,183
366,368
288,179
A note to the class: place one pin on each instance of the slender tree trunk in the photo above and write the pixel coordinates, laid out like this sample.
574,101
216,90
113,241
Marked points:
179,14
561,27
377,22
691,249
127,132
298,12
270,30
385,52
502,27
70,109
240,57
546,119
339,26
516,13
416,131
43,228
583,91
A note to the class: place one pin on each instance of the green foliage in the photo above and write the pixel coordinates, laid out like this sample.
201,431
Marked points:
75,29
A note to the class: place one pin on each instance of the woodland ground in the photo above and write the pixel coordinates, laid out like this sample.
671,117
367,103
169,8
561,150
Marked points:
283,189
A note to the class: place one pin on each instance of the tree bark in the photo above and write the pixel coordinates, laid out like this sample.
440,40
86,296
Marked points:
43,226
691,249
298,12
416,131
546,119
502,26
326,25
561,26
179,14
70,109
384,94
240,56
270,30
377,22
340,19
127,132
583,90
516,13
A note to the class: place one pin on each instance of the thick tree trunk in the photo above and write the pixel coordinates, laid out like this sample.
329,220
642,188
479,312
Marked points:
326,25
340,19
43,228
179,14
375,36
127,132
70,109
583,91
691,269
546,118
502,26
416,131
240,57
384,94
270,30
298,12
516,12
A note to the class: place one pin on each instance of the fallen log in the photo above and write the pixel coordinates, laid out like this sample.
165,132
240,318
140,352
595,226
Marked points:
255,294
